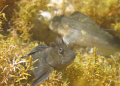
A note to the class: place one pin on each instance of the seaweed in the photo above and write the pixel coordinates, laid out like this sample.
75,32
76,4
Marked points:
87,69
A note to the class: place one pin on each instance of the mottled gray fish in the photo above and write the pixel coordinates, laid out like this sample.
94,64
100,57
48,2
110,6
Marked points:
58,56
82,30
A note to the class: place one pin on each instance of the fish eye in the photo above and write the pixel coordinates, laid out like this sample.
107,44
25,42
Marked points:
61,50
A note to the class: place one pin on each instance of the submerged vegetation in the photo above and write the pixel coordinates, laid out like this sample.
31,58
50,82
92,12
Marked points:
87,69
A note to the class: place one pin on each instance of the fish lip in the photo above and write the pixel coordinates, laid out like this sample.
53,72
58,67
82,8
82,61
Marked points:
50,26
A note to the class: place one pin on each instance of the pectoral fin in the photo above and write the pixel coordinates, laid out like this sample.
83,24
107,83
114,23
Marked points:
41,75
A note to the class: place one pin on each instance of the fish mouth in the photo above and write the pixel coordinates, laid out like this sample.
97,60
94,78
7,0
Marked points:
51,26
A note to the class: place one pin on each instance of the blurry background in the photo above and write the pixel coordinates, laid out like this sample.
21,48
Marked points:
33,16
24,24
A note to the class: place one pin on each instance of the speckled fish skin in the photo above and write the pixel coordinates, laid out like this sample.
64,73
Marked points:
82,18
80,29
58,56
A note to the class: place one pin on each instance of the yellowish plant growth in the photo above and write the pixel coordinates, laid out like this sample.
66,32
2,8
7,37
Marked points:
86,70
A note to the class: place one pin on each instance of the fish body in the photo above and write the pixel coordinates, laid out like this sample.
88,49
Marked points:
81,30
58,56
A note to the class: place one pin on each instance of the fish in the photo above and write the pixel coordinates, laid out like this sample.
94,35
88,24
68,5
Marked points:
80,29
56,56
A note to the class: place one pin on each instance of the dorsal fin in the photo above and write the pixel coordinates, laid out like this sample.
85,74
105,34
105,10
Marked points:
40,47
